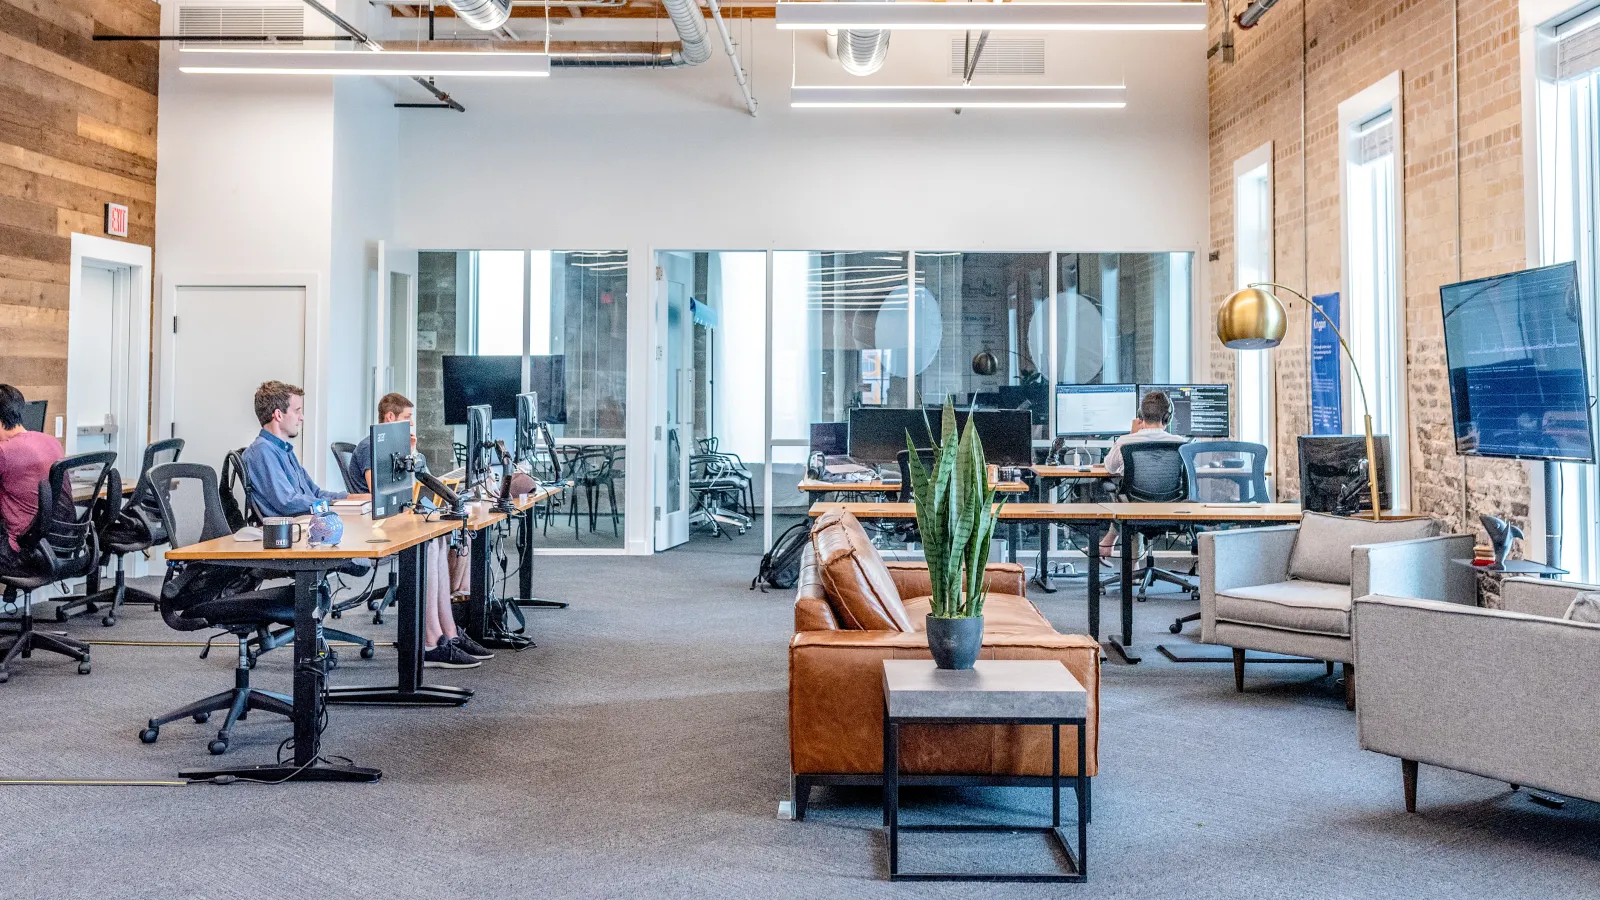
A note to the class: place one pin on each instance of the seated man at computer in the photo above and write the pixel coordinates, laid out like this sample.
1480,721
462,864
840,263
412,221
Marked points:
25,461
449,569
279,485
1155,413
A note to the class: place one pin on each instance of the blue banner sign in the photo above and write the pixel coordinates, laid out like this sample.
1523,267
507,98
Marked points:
1327,396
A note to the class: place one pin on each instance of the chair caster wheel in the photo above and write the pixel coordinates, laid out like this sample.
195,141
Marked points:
200,718
83,667
368,651
1175,627
61,614
333,660
218,747
377,619
149,735
4,676
336,614
109,621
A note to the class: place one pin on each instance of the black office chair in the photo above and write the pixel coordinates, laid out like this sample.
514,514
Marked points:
78,498
135,529
1223,472
344,454
1153,473
195,596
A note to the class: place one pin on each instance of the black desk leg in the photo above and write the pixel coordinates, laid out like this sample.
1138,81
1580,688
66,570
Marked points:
309,671
1043,576
891,791
1013,536
1093,552
1124,647
525,595
486,615
410,691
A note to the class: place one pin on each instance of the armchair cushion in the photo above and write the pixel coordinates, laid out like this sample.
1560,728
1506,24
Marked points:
1585,608
1002,614
859,587
1311,607
1322,547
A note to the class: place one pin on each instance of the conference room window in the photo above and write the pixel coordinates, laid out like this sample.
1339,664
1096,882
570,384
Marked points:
1253,263
985,336
1375,299
1570,230
1123,318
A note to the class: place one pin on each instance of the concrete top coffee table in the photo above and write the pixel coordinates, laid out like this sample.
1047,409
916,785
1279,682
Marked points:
993,692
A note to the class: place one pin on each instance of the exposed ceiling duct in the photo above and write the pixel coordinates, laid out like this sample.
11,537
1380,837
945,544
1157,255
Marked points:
691,28
862,52
484,15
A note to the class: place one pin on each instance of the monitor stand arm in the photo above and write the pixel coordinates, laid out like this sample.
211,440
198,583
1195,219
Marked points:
1552,516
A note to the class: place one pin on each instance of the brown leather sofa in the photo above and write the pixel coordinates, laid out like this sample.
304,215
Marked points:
850,616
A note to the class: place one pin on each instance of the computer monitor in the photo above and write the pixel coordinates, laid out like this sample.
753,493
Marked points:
547,377
479,435
33,415
527,426
830,438
877,435
1032,397
1094,410
492,381
391,477
1333,473
1198,410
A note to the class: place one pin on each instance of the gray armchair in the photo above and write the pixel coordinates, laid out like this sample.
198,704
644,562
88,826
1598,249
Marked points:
1288,589
1498,693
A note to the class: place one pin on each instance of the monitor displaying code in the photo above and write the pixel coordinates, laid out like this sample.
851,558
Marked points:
1198,410
1087,410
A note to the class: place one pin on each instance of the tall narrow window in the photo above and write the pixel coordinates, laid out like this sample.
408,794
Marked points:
1375,300
1252,241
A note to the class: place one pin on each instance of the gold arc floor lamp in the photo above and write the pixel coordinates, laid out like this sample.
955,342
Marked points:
1254,319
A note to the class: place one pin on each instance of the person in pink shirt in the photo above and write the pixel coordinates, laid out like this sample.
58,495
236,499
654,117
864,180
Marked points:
25,460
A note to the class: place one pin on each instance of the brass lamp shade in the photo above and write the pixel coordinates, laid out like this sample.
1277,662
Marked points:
985,363
1251,319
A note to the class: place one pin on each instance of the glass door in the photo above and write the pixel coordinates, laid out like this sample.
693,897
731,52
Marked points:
675,442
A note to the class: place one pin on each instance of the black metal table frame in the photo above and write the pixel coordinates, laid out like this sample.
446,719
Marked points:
310,670
1079,860
493,634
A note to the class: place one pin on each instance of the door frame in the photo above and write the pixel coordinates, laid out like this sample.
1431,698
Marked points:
667,532
314,375
135,369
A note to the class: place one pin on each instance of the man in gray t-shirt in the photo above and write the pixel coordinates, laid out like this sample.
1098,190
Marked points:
1155,411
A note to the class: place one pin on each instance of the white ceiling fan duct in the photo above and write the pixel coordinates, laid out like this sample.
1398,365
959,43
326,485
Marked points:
691,28
862,52
484,15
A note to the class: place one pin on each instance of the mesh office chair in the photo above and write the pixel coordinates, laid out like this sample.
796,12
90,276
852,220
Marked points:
344,454
80,496
1152,473
135,529
196,596
1223,472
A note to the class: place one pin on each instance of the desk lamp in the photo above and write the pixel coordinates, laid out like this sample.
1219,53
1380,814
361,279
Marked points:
1254,319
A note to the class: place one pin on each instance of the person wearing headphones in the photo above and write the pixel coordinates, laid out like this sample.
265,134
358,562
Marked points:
1155,412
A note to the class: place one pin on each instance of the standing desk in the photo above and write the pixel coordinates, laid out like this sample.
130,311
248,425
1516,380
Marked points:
482,517
363,539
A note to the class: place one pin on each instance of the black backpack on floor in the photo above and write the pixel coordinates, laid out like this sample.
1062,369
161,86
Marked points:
780,567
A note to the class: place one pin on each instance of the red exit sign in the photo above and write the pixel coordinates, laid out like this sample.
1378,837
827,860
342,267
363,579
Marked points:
116,220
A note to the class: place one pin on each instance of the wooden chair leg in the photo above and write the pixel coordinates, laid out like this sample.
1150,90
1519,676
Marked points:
1238,670
1408,767
1349,686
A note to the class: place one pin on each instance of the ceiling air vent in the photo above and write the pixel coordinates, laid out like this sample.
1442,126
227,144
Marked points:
263,20
1002,55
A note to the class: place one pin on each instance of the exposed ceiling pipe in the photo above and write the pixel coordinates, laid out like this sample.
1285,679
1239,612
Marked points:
484,15
733,56
691,28
863,51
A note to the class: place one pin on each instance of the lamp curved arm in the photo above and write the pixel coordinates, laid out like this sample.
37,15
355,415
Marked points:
1361,386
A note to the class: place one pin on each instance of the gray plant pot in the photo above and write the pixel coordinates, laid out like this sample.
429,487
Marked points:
955,643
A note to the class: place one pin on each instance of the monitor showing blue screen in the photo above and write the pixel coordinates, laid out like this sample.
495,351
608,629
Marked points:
1514,347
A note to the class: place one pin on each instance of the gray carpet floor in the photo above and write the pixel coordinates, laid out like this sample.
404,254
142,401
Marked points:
640,751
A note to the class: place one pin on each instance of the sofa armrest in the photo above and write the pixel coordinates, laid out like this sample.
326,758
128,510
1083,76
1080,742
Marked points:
1242,557
1490,692
1541,596
911,578
1420,569
836,707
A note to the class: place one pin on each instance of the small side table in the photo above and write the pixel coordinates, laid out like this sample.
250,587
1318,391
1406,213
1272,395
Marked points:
1489,577
994,692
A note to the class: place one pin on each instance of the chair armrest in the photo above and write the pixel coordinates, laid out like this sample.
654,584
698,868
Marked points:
911,578
1245,557
1541,596
1420,569
1490,692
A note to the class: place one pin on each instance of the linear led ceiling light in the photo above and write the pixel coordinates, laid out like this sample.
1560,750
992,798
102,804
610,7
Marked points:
958,97
1018,16
480,64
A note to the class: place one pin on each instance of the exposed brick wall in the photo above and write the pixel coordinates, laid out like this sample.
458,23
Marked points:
436,313
1348,46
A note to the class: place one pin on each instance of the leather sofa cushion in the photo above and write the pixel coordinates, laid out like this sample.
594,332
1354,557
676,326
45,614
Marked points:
859,586
1006,614
1311,607
1322,546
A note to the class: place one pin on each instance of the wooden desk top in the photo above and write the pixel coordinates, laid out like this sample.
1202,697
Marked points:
813,486
1206,512
1008,511
481,515
1095,471
363,539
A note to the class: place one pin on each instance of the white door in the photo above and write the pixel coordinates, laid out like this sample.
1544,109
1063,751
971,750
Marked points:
402,338
225,342
98,353
676,407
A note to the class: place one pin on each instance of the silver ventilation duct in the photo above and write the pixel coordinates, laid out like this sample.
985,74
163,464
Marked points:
484,15
691,28
862,52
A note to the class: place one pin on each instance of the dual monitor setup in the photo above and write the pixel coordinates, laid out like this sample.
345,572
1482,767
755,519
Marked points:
1106,410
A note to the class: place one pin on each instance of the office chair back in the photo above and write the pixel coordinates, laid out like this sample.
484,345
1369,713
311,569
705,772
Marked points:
141,507
1153,473
344,454
1226,471
237,504
191,512
550,450
904,458
81,496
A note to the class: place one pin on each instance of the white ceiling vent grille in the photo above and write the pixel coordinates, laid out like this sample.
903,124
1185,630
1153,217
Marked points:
263,20
1002,55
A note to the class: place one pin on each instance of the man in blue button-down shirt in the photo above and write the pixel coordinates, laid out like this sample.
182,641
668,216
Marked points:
279,485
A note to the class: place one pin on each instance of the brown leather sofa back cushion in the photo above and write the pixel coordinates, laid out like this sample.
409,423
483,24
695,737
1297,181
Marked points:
859,586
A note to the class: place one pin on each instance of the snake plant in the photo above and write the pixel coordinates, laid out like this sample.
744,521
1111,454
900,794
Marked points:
956,517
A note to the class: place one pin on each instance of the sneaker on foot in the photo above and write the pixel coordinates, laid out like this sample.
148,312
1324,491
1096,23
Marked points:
471,647
448,656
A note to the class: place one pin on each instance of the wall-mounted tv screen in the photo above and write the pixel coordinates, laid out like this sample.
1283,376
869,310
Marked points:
1518,373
